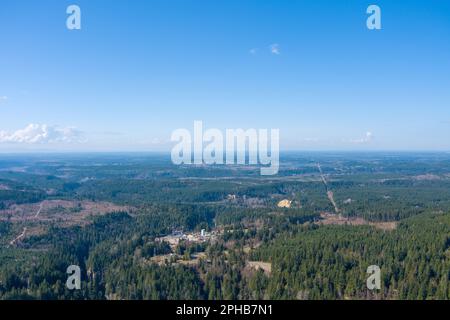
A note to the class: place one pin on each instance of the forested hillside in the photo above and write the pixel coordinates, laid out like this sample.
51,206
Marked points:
139,228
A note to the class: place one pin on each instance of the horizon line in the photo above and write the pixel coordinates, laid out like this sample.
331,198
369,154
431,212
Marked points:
168,152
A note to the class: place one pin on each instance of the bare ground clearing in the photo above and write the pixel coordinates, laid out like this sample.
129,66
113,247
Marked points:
337,219
63,213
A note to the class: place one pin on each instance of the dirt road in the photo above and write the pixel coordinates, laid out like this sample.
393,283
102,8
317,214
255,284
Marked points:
20,236
39,210
24,231
330,194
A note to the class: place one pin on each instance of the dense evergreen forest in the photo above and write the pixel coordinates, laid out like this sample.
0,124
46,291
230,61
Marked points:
140,228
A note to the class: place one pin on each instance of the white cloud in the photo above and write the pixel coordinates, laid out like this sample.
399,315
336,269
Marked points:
366,139
275,48
41,134
3,98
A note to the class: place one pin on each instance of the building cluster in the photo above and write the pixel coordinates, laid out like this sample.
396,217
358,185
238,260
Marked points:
194,237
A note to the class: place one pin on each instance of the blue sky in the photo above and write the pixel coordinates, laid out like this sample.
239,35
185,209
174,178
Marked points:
137,70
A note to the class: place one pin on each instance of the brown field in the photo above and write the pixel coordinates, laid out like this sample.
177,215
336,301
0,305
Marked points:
58,210
33,219
337,219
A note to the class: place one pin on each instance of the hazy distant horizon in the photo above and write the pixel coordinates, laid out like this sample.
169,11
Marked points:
167,152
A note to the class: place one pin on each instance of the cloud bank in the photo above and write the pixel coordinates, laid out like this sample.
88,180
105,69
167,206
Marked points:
42,134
